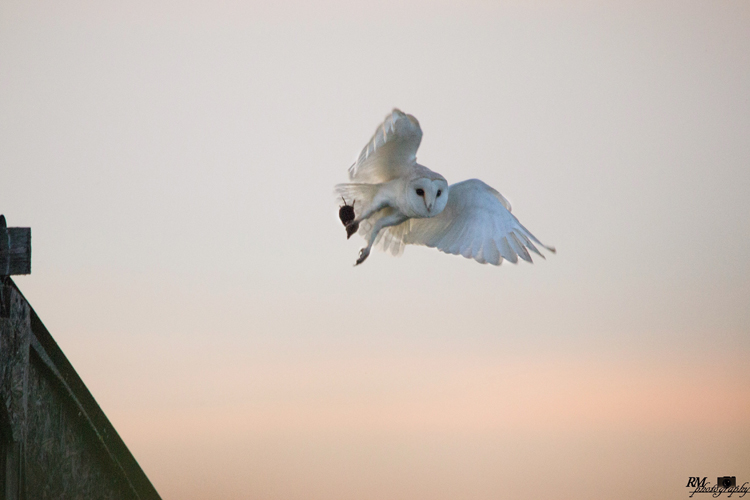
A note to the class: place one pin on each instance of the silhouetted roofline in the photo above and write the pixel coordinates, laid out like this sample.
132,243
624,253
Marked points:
50,354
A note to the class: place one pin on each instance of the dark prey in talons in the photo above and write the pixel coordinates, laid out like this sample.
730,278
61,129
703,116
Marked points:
346,214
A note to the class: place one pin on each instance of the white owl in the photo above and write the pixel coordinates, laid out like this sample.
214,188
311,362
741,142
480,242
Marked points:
396,201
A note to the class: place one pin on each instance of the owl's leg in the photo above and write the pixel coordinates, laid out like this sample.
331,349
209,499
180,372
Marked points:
369,211
389,220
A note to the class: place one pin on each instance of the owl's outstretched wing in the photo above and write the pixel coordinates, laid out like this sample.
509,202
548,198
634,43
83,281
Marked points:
477,224
392,151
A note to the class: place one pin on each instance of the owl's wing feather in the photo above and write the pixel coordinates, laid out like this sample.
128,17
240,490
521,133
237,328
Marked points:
392,151
477,224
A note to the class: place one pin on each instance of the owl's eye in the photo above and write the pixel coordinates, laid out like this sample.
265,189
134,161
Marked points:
440,191
420,192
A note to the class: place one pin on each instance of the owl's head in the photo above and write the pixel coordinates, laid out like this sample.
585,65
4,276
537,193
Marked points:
427,196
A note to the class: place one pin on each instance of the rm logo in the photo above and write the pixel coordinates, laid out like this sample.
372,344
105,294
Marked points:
724,484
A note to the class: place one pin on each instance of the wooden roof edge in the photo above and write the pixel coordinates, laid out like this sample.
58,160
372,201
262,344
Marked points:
115,447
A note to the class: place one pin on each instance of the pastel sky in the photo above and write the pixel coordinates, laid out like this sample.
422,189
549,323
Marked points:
176,163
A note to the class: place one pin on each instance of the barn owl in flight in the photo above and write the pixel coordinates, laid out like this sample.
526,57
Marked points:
393,201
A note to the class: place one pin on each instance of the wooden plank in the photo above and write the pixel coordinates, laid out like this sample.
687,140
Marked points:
15,250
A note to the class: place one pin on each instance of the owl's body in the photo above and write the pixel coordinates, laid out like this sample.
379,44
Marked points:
401,202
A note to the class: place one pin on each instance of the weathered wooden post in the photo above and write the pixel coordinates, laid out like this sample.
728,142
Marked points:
15,249
15,258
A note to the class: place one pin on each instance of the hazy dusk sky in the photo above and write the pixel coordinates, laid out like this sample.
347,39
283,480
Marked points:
176,163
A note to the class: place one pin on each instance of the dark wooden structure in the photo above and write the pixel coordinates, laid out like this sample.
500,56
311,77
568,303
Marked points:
55,441
15,249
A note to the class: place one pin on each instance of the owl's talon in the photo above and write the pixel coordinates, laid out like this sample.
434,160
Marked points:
363,254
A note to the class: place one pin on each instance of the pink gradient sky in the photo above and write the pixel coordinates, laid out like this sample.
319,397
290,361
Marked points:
175,161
